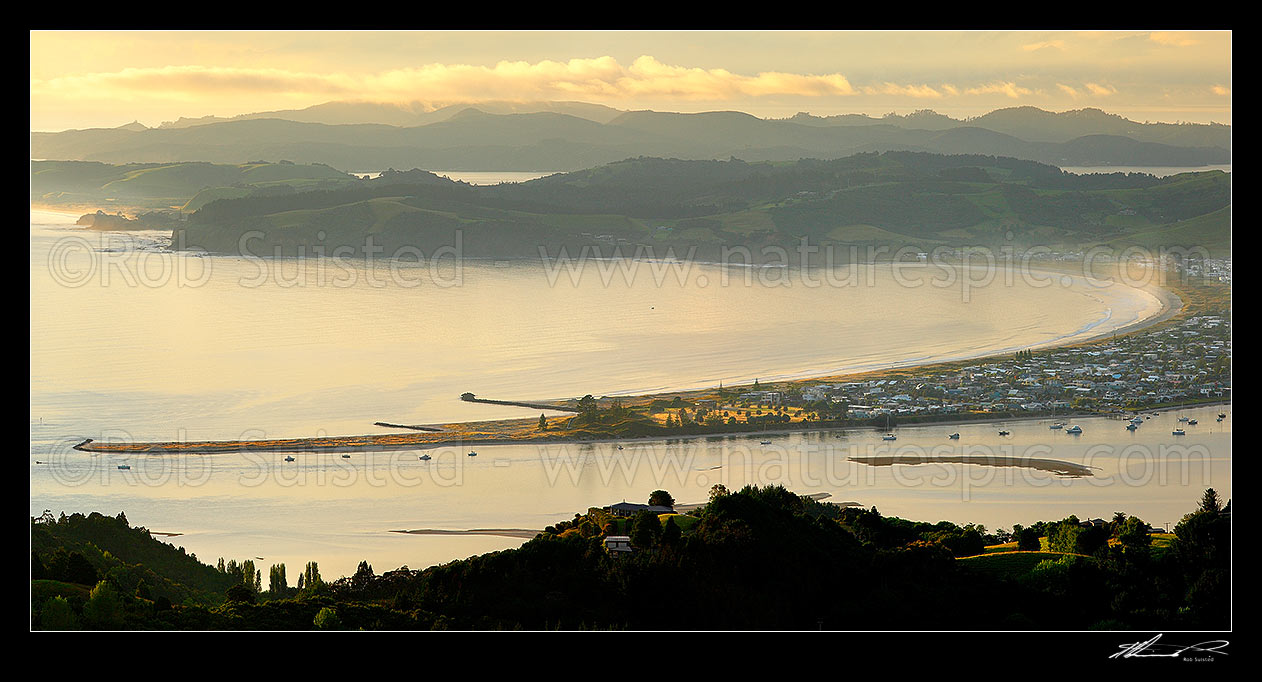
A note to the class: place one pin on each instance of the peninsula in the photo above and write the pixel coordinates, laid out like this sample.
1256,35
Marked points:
1179,356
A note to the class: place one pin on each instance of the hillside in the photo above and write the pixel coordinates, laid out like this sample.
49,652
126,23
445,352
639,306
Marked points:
182,186
570,136
891,199
795,564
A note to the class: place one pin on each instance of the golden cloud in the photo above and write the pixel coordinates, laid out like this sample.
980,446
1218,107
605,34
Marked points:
600,78
918,91
1008,89
1054,44
1174,39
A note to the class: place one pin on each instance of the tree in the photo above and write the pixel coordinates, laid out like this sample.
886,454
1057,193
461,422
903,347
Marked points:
543,423
311,574
277,584
717,490
104,608
661,498
248,575
327,619
1210,501
240,593
57,615
587,405
1028,540
363,576
671,534
645,530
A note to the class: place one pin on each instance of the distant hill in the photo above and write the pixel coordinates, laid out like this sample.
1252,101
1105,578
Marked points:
405,115
186,186
892,199
571,136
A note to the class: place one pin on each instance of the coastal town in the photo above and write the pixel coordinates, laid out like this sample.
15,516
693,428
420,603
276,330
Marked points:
1184,361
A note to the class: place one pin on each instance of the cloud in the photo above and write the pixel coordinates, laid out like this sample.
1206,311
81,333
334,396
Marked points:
1046,44
597,78
1007,89
1220,90
1068,90
178,81
1101,90
917,91
1173,39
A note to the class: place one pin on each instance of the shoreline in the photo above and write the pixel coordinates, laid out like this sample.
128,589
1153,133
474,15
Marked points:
431,436
310,446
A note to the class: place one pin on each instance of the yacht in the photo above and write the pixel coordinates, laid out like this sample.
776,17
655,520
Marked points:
1177,432
1005,432
1191,422
472,453
889,436
764,442
954,436
1222,415
1131,427
426,458
1183,419
1137,420
1057,425
1074,429
289,458
346,456
124,466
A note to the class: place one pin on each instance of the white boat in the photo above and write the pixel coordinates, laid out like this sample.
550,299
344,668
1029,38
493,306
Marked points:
1177,432
954,436
289,458
1137,420
1004,432
1131,427
1191,422
124,466
889,436
764,442
1057,425
426,458
346,456
1183,419
1074,429
472,453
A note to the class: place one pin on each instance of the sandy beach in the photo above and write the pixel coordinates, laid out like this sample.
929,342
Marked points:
517,431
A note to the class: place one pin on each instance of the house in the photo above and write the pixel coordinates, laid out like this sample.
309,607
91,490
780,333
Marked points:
631,509
617,545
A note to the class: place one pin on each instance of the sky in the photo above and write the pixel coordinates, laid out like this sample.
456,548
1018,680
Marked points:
102,79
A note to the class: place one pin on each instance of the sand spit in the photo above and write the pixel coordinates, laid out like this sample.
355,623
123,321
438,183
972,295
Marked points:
1058,467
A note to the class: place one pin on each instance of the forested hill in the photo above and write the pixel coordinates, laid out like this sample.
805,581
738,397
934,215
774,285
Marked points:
892,199
752,559
571,136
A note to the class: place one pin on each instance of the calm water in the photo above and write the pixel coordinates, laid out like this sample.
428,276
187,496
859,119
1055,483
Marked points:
130,342
1158,171
477,177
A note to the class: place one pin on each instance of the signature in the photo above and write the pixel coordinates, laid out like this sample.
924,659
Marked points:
1151,649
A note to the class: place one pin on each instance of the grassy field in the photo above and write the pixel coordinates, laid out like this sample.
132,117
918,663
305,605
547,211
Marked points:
1008,564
